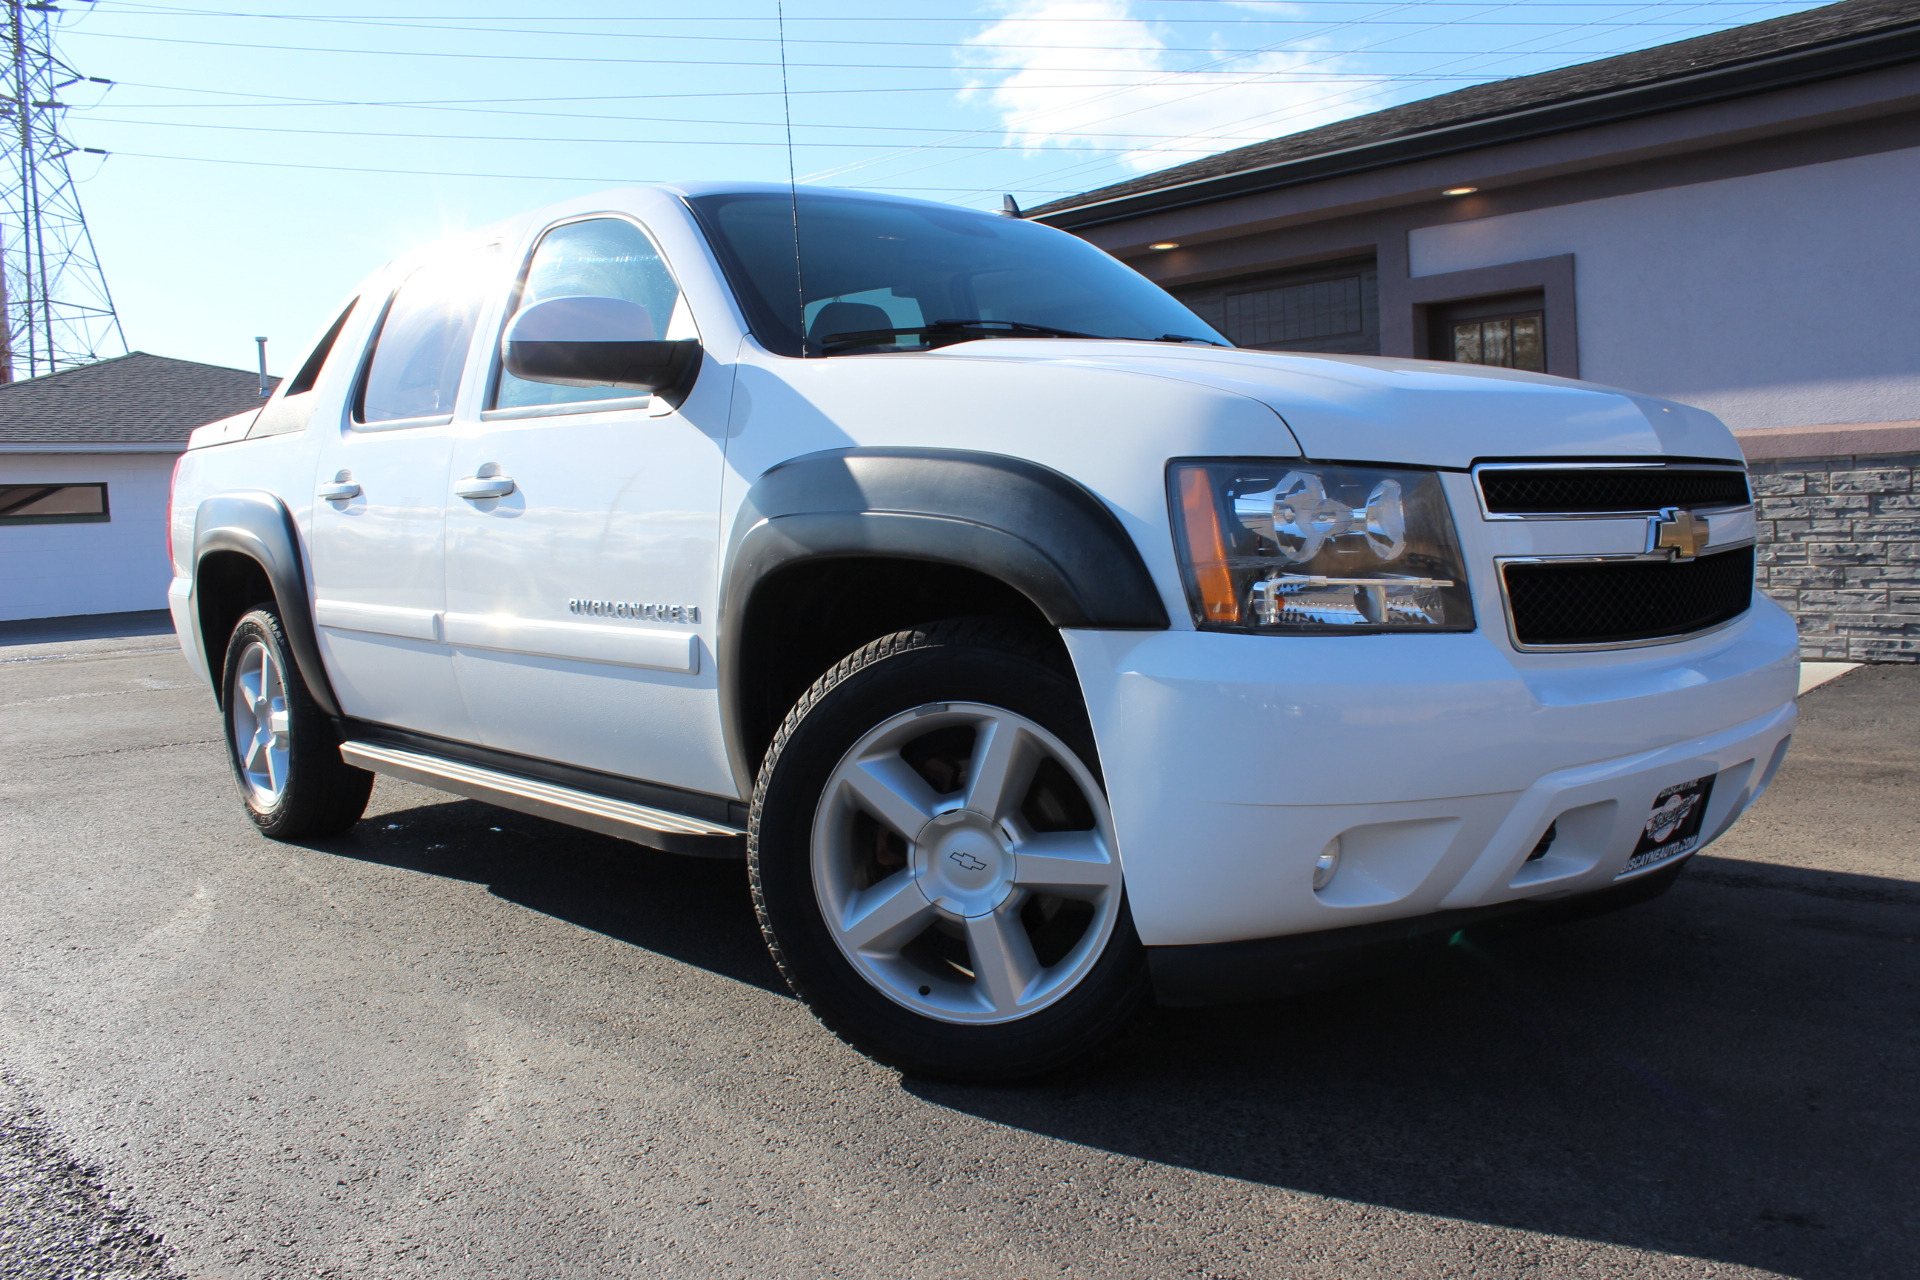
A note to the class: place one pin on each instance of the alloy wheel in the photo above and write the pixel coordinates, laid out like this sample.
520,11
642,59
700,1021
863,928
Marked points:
964,862
260,724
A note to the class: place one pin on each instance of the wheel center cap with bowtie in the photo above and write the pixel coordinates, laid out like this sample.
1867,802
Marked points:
962,864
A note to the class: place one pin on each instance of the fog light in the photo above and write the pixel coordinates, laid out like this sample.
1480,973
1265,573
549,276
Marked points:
1326,864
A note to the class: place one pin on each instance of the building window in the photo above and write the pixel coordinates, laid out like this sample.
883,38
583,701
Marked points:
1295,312
1512,342
52,503
1330,306
1508,331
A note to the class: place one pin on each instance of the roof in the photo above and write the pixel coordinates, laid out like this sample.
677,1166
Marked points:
123,403
1831,40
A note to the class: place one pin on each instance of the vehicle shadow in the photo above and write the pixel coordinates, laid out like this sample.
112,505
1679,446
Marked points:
695,910
1728,1073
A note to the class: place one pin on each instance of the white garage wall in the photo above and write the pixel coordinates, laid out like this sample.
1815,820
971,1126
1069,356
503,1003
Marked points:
1778,299
52,570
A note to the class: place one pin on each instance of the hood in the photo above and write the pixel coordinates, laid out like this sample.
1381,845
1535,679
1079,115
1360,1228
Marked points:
1422,412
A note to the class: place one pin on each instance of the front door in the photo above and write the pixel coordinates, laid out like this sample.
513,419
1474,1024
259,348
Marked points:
581,544
378,545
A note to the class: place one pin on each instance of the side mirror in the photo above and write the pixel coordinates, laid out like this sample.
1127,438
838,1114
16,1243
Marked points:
596,342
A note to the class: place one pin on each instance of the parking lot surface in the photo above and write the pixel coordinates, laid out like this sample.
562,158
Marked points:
463,1042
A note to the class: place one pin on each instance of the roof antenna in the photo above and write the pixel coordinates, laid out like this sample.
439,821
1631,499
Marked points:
1010,208
793,183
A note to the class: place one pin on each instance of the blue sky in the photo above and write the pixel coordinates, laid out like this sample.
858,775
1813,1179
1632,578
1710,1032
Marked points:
264,156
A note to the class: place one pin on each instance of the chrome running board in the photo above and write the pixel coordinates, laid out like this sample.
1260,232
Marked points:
655,828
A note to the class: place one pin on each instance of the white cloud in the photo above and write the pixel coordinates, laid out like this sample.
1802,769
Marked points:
1056,90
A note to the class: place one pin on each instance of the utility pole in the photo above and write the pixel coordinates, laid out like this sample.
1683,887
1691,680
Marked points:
55,310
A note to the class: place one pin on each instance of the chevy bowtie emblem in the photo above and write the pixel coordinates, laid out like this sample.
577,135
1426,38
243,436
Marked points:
968,861
1678,532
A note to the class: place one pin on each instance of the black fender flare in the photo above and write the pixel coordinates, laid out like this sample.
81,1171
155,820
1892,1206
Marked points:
256,524
1040,532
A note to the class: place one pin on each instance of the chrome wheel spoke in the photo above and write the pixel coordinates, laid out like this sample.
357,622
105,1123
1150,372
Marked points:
262,724
1070,862
1003,961
999,752
249,687
892,793
887,916
945,891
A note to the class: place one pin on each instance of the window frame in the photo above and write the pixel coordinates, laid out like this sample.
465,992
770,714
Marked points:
496,359
103,516
1552,278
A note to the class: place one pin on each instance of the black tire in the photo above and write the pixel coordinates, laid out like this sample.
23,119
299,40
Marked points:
965,662
320,795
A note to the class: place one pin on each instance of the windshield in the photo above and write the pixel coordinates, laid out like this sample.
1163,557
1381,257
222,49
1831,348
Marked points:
876,275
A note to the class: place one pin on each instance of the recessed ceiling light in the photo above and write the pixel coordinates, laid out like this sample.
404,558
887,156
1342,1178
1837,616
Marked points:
1164,244
1459,191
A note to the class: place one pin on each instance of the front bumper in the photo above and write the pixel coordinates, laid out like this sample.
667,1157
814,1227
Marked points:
1264,968
1438,762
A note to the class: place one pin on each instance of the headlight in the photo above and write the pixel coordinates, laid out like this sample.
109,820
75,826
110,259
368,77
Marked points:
1301,546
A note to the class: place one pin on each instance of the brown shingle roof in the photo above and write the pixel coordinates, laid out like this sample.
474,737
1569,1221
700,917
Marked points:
129,400
1812,27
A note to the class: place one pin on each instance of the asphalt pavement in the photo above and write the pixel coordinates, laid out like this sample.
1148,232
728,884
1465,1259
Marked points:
462,1042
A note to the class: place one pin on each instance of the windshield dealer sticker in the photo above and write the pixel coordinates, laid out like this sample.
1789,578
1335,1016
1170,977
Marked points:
1674,826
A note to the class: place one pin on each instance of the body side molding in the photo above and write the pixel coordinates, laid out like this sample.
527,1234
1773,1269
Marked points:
256,524
1039,532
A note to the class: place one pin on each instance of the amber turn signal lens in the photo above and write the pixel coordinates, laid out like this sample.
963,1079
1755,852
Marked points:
1206,548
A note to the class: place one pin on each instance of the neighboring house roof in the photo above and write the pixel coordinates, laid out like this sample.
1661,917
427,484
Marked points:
1815,43
129,403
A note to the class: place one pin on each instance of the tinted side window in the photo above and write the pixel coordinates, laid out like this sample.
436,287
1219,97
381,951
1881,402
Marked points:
415,371
598,258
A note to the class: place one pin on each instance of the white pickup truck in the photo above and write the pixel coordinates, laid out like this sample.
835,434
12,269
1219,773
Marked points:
1041,652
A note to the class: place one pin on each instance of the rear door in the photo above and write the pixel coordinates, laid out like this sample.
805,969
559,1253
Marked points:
378,533
581,600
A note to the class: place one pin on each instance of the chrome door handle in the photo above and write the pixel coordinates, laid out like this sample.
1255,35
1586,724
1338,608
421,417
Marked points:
339,490
483,487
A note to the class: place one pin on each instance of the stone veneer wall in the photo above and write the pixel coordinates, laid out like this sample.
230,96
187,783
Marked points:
1840,548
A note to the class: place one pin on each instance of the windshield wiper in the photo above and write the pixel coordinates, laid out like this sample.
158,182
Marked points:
1185,337
957,330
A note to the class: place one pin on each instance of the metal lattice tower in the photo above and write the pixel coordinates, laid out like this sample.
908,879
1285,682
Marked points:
55,311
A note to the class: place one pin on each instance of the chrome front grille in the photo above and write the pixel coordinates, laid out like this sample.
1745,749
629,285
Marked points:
1550,490
1623,554
1554,604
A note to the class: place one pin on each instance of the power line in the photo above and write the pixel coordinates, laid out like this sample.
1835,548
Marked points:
424,24
623,179
628,62
144,10
508,137
1202,80
537,115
